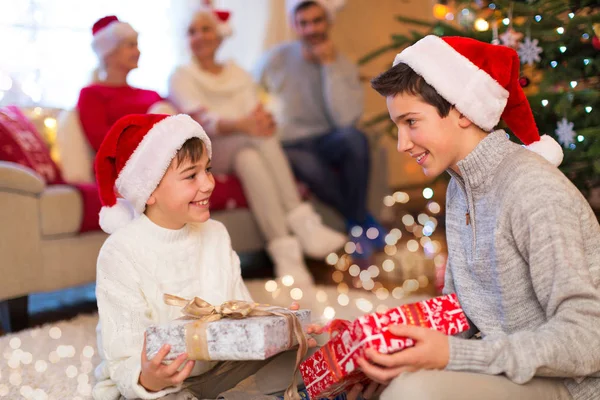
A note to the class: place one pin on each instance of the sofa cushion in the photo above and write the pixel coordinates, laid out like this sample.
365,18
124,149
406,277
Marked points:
22,144
90,220
76,154
61,210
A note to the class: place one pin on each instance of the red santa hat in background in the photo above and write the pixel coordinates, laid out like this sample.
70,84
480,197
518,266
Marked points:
108,32
219,16
331,7
482,81
133,158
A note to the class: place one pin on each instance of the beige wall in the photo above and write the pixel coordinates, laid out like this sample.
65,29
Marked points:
363,25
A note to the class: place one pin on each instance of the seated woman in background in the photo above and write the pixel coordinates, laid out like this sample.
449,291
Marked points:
109,97
224,99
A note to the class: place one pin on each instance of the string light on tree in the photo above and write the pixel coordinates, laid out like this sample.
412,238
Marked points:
440,11
466,17
481,25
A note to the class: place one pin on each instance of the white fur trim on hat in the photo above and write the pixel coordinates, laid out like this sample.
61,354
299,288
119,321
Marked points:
145,168
548,148
224,29
108,38
117,216
471,90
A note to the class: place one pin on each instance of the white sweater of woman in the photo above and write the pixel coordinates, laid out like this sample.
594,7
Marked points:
229,94
136,266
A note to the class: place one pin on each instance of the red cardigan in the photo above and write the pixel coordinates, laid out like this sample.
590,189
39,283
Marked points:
100,106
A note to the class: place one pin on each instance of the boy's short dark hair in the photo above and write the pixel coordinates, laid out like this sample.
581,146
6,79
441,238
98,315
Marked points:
305,5
191,151
403,79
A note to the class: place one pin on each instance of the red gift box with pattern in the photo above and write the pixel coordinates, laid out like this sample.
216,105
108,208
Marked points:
333,369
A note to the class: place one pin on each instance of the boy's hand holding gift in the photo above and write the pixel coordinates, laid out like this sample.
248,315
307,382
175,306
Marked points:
422,327
430,351
156,376
310,328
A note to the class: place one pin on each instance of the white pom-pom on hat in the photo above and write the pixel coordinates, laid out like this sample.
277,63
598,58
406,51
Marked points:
115,217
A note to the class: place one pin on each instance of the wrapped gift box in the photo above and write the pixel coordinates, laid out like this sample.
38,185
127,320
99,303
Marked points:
251,338
333,368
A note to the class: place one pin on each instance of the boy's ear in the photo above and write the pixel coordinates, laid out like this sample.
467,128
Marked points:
464,122
151,200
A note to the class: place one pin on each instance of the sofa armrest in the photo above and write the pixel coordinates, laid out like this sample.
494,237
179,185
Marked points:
15,177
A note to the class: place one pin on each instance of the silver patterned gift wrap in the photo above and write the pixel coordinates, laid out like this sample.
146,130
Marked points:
250,338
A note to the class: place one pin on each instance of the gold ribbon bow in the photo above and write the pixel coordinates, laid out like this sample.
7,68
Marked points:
204,313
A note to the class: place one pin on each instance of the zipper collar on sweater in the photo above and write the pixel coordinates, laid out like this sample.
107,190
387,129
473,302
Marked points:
481,163
477,167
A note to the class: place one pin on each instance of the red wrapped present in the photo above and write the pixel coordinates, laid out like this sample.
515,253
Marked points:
333,368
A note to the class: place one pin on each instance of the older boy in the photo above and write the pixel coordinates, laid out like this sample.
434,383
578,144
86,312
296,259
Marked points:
524,245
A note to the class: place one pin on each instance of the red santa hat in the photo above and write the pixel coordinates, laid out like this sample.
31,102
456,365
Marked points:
133,158
108,32
330,6
482,81
220,17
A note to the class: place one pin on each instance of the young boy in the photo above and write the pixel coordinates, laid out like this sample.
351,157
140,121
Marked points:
162,241
524,245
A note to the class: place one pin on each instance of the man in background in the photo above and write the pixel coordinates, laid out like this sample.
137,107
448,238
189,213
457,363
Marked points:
320,101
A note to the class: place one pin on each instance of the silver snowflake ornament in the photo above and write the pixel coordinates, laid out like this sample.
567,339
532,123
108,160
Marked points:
565,133
529,51
511,38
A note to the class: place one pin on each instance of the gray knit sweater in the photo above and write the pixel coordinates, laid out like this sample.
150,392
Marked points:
526,269
315,99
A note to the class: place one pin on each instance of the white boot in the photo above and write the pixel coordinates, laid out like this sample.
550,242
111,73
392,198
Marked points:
286,254
317,240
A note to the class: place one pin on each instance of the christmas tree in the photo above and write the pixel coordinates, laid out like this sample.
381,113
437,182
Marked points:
558,42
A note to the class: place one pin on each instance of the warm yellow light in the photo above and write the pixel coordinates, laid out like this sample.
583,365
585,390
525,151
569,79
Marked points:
50,123
440,11
481,25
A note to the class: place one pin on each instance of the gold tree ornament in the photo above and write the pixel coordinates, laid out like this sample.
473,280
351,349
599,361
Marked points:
596,28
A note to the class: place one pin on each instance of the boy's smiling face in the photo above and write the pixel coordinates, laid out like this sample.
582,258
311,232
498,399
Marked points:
436,143
183,194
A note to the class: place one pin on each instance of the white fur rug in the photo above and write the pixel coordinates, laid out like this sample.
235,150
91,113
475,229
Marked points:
57,361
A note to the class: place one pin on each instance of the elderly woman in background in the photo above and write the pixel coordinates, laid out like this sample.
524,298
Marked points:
224,99
110,97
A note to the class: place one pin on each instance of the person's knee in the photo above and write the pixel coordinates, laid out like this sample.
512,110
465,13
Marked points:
306,166
414,385
246,158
